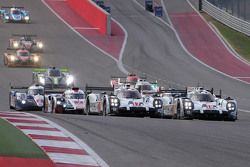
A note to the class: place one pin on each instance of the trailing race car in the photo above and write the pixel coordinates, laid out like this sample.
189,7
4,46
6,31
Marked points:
131,79
27,42
53,77
14,14
209,105
175,104
70,101
31,99
122,101
22,58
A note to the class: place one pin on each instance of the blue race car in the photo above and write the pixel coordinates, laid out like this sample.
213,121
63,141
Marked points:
14,14
26,98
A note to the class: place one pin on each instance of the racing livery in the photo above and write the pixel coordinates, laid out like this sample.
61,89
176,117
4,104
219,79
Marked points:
70,101
122,101
14,14
30,99
19,41
207,104
53,77
22,58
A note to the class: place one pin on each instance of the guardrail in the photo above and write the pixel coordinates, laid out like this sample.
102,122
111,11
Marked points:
93,14
226,18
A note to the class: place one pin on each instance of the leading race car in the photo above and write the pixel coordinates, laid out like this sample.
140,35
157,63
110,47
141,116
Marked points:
22,58
26,98
131,79
70,101
209,105
53,77
14,14
19,41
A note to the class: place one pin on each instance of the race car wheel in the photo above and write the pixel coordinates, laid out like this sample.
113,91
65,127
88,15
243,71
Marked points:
87,108
11,107
5,60
105,109
178,112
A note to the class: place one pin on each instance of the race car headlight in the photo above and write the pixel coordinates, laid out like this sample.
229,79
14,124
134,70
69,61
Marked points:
12,58
114,102
64,105
26,18
231,106
15,44
36,58
23,102
188,105
58,102
40,45
70,80
7,17
157,103
42,80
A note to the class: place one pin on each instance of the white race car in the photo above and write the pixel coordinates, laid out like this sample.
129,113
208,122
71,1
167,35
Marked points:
207,105
70,101
122,101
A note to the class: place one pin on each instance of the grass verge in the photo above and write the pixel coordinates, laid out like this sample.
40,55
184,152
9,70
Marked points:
239,41
14,143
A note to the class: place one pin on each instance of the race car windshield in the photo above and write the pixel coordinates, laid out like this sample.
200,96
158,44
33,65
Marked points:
146,87
16,12
131,95
54,73
36,92
27,38
23,54
203,97
75,96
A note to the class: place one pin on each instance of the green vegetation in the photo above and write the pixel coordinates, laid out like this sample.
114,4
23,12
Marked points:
239,41
14,143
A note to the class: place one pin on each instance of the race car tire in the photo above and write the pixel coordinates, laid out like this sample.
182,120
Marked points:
104,109
87,108
5,60
11,107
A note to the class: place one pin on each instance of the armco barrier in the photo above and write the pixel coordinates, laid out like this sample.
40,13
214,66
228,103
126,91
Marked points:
93,14
226,18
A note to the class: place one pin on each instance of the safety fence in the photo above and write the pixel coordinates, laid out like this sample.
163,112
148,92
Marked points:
226,18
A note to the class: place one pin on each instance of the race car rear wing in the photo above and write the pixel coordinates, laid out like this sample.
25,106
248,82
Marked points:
19,87
24,35
54,91
8,7
98,88
43,70
179,93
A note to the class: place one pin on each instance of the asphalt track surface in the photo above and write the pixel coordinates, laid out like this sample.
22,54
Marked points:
152,48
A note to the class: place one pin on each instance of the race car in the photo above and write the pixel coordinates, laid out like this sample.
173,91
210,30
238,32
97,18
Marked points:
53,77
14,14
209,105
70,101
22,58
175,104
26,98
122,101
27,42
131,79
